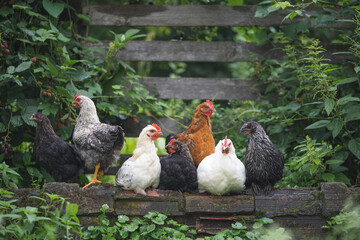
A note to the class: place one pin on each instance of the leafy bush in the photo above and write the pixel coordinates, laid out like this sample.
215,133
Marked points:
43,66
313,96
48,221
345,224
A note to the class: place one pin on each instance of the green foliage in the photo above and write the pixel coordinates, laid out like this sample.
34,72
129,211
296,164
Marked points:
43,66
313,163
48,221
152,226
312,95
345,224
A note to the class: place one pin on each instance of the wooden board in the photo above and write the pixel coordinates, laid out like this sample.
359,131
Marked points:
201,88
189,51
188,15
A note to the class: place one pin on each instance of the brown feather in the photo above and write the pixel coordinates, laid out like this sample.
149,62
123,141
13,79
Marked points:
198,137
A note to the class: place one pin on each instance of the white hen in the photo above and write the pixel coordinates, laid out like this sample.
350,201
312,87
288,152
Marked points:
142,170
221,172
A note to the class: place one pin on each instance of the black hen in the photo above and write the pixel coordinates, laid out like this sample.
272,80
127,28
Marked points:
264,163
178,171
56,156
168,139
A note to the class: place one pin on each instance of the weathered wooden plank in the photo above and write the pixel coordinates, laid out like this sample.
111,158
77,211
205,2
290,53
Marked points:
201,88
189,51
186,15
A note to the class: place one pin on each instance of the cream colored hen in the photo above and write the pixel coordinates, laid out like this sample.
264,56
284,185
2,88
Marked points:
142,170
221,172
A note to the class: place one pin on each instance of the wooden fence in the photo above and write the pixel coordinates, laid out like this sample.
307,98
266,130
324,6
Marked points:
192,51
133,16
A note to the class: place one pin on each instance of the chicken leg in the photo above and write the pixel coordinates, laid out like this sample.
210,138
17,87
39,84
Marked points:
94,179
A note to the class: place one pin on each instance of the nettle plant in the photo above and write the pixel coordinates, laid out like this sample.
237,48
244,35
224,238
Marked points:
43,66
314,96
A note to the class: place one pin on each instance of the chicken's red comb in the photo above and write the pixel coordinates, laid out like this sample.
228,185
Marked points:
225,140
157,127
77,96
171,141
210,103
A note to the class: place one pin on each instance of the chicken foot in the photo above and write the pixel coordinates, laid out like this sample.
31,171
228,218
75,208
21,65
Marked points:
94,179
256,188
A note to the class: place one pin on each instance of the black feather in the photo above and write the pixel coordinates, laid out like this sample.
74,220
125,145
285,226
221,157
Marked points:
178,172
56,156
264,163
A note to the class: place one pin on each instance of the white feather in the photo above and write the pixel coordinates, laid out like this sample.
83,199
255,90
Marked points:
142,170
221,173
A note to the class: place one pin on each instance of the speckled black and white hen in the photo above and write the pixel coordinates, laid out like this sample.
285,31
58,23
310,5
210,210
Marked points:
99,144
56,156
178,171
264,163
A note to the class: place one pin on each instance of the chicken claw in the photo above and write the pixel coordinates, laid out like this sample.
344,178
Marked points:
256,188
94,179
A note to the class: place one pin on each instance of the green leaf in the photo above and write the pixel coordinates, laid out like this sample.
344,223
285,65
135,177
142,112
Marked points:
238,226
16,121
324,20
23,66
341,177
2,127
123,219
10,70
347,80
313,169
296,27
328,177
354,148
347,99
257,225
62,38
334,162
5,11
336,125
53,8
329,105
352,116
26,114
63,92
52,68
48,108
71,209
83,17
318,124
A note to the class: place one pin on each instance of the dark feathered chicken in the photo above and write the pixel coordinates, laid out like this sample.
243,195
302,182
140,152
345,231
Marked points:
264,163
99,144
178,171
56,156
168,139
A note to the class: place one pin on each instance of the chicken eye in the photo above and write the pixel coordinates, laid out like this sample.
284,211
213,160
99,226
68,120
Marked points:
152,131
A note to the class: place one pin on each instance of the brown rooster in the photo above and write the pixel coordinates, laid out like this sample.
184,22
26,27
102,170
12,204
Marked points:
198,137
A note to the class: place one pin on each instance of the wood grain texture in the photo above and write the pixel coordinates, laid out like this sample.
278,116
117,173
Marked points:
201,88
189,51
188,15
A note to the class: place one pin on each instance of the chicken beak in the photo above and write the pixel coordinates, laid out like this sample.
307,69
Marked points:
213,109
32,118
159,133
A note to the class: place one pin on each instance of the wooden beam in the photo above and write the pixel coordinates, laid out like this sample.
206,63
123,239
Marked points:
190,51
201,88
188,15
